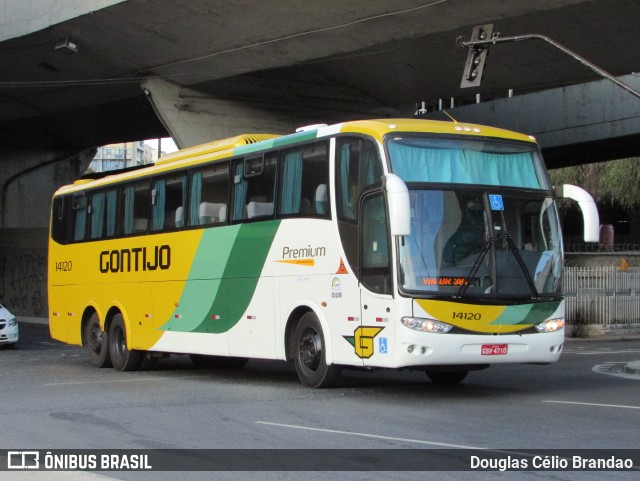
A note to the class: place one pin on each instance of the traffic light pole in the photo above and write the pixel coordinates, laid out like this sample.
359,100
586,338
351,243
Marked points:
478,50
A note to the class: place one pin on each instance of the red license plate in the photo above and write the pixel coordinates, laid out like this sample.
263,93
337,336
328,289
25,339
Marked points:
494,349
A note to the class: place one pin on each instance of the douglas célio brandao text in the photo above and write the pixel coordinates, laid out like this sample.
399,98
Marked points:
550,462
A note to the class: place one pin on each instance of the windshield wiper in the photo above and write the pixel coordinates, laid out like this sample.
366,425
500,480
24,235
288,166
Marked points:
523,267
488,246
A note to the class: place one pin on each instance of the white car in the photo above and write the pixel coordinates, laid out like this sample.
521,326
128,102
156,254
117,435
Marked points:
8,328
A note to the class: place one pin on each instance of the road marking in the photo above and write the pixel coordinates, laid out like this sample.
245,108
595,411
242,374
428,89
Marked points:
366,435
392,438
620,406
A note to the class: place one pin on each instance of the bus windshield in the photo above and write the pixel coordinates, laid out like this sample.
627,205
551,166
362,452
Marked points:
492,232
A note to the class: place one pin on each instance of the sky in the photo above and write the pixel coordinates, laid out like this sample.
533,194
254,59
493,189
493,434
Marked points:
167,144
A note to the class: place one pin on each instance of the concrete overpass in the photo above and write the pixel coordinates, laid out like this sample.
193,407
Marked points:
82,73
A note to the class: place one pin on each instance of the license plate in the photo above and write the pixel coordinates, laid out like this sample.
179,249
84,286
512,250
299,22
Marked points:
494,349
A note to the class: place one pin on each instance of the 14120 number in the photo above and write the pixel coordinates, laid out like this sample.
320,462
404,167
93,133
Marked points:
467,316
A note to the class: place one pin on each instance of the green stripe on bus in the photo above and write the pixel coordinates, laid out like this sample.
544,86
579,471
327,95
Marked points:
232,258
277,142
541,312
527,314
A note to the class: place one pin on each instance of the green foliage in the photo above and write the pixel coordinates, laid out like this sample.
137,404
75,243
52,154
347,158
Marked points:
616,182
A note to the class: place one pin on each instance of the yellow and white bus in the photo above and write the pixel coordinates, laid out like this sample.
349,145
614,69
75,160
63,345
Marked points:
395,243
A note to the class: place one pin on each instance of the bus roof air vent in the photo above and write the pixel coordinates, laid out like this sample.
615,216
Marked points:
216,146
253,138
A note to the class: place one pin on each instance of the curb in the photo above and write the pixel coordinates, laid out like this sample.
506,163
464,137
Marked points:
33,320
632,367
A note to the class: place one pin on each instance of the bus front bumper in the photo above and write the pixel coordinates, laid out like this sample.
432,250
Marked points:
418,349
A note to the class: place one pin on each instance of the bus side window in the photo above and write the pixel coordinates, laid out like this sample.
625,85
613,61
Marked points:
253,187
134,208
102,208
79,217
358,167
60,219
376,270
209,195
168,198
303,181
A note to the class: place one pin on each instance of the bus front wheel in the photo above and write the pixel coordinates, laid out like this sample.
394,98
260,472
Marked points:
96,342
122,358
309,355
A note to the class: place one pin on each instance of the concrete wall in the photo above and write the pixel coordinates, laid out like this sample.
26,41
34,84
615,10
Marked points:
23,271
28,180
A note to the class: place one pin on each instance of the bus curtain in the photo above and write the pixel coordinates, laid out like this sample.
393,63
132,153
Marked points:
128,209
239,193
112,198
196,199
345,185
80,218
292,183
183,185
98,207
459,166
157,215
97,215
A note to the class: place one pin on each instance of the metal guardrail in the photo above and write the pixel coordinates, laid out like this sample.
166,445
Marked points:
602,295
600,248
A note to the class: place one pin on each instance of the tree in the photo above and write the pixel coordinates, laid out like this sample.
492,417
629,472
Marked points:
614,182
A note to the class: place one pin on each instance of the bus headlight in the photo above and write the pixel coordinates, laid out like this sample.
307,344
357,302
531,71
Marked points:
426,325
552,325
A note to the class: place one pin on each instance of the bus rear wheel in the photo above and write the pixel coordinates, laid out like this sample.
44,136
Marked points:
96,342
309,354
122,358
447,378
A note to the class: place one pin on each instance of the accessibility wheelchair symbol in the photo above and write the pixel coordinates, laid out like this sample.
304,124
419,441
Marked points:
496,202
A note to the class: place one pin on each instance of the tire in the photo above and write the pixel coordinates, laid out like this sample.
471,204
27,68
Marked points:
309,354
96,342
122,358
8,346
447,378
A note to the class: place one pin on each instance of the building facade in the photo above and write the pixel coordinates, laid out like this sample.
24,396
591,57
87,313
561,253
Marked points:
121,156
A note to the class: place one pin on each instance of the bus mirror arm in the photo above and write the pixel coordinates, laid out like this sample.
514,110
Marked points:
587,207
399,205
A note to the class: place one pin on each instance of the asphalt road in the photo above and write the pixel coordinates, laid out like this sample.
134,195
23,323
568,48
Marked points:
51,398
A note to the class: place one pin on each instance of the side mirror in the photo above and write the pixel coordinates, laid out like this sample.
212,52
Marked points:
587,206
399,205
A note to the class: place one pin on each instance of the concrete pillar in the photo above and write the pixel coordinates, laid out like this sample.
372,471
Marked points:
194,118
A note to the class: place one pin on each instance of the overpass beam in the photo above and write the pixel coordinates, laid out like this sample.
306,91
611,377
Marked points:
191,117
576,124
